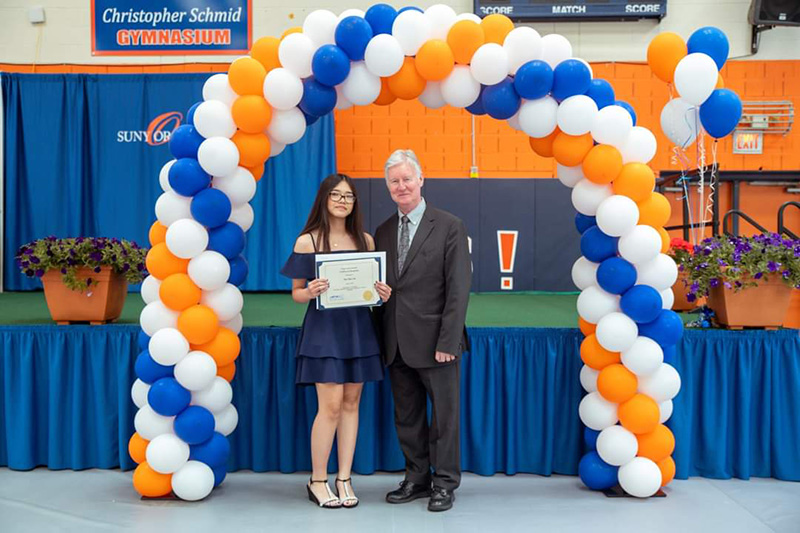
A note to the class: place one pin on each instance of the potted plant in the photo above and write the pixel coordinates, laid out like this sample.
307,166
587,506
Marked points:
748,280
85,279
681,252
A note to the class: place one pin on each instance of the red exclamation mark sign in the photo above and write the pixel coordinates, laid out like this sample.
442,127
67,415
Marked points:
507,252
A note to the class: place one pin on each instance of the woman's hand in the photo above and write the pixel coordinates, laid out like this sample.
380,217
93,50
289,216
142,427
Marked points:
384,291
317,287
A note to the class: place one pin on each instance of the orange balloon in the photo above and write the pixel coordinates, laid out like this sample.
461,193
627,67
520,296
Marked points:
387,96
257,171
664,53
544,146
464,38
602,164
223,348
640,414
136,448
227,372
587,328
656,445
251,113
595,356
434,60
720,82
162,264
496,27
655,210
199,324
246,76
667,467
178,292
296,29
616,383
150,483
253,148
570,150
664,239
636,181
158,233
265,51
407,84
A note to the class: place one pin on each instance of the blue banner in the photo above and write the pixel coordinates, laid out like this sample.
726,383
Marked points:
163,27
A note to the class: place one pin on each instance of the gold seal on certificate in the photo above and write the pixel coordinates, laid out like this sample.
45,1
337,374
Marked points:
351,279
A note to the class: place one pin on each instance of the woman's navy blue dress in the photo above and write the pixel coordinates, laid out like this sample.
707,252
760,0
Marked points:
335,345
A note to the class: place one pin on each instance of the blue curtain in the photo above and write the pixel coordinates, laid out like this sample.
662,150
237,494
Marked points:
76,163
65,403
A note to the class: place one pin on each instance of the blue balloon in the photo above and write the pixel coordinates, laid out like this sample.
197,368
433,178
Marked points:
666,329
590,438
352,36
194,425
669,354
211,208
476,107
534,80
148,370
190,113
642,303
710,41
721,112
629,108
239,270
596,473
570,78
601,92
219,474
187,177
407,8
501,101
143,341
227,239
318,99
185,141
597,246
310,119
167,397
381,18
584,222
615,275
330,65
213,452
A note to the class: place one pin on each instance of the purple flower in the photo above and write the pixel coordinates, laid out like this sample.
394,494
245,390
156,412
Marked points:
713,282
126,267
737,257
695,286
786,274
97,270
63,270
759,275
35,260
772,266
738,284
727,285
140,267
680,267
39,273
721,263
97,256
79,240
691,297
88,281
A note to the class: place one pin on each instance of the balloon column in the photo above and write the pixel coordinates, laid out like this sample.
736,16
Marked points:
486,66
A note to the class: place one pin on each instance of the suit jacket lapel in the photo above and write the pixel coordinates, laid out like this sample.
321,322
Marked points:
425,229
391,256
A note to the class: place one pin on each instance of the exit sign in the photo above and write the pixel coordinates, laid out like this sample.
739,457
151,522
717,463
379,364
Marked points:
748,142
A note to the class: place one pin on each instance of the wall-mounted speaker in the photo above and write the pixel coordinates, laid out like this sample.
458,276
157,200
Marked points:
775,12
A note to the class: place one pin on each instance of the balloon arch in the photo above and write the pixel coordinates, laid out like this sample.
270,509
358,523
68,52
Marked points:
192,319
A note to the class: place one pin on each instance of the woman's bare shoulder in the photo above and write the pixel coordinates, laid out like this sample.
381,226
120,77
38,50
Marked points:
304,244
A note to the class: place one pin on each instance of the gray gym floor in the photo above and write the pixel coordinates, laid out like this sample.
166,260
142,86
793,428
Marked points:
104,500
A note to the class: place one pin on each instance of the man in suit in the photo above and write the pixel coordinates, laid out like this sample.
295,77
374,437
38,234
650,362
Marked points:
428,268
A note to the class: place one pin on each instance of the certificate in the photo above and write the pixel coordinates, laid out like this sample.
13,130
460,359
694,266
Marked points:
351,279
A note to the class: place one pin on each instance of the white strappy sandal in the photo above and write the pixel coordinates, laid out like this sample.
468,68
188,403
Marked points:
332,502
349,501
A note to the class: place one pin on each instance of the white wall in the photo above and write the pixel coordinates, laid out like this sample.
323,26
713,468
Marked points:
65,37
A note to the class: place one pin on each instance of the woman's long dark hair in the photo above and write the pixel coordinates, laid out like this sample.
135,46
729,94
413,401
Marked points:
318,219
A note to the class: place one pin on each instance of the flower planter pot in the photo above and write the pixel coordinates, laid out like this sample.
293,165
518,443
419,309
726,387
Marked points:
792,319
680,289
102,302
761,306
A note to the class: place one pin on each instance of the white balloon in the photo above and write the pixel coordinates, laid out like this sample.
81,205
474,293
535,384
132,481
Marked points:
283,89
235,324
218,156
469,16
193,482
168,346
569,176
587,196
287,126
641,477
209,270
275,147
680,122
156,316
596,412
616,332
351,13
513,122
589,378
411,29
660,273
555,49
216,397
616,445
171,207
213,119
612,125
149,424
640,245
239,186
295,54
343,103
644,357
667,298
186,238
167,453
639,147
617,215
384,55
226,301
576,115
217,88
522,44
196,371
361,86
150,289
432,97
662,385
243,216
696,77
489,64
594,303
163,176
226,420
441,19
665,408
538,118
460,89
320,27
139,392
584,273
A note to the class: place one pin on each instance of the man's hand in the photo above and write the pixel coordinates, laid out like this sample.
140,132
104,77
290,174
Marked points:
442,357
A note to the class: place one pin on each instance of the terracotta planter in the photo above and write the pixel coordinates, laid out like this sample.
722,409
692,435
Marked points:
792,319
762,306
680,289
100,303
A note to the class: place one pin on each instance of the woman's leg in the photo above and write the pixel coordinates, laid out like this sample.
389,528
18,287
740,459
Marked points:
347,432
329,398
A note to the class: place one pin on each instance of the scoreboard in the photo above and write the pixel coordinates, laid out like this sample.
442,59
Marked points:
573,10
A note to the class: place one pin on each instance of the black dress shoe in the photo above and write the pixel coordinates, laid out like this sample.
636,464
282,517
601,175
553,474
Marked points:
441,499
408,491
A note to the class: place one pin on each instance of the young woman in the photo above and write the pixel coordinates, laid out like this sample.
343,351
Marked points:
338,349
